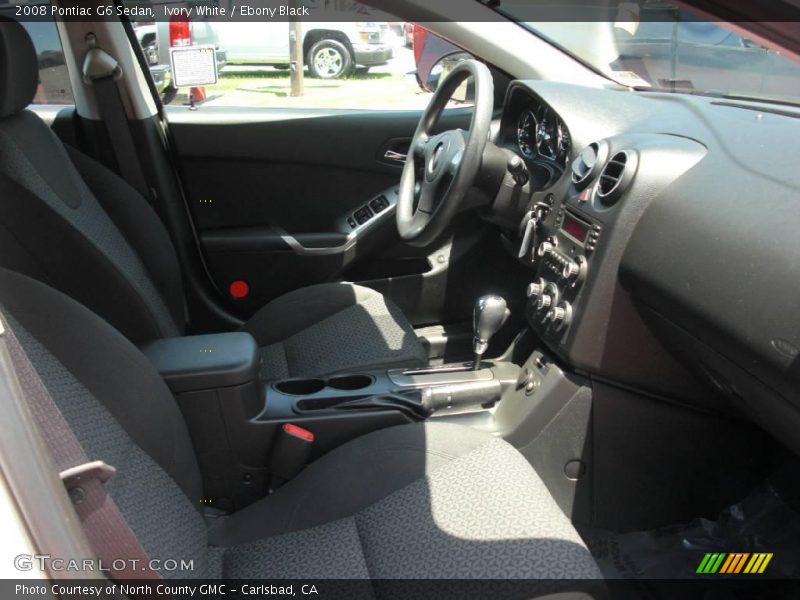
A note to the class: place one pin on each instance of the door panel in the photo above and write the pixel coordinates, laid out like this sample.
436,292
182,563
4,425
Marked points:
274,194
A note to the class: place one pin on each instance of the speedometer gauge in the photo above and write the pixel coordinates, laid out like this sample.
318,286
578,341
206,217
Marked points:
526,133
564,141
548,134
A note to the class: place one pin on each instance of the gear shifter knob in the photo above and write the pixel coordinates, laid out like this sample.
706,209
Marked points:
489,315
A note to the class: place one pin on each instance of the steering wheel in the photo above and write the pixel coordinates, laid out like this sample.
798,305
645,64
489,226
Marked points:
441,168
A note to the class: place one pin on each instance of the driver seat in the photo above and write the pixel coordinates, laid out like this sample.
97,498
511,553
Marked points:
70,222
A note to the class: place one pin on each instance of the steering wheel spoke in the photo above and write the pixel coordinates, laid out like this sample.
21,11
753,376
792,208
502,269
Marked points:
420,145
427,199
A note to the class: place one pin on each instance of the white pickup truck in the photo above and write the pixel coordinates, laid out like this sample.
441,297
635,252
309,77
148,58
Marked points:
330,50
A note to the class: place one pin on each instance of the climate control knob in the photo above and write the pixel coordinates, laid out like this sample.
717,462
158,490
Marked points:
545,248
560,316
570,270
534,289
544,301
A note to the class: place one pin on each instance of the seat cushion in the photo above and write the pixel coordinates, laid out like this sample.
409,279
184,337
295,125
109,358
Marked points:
426,501
333,327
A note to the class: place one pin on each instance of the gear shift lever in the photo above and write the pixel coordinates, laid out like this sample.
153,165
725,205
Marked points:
489,315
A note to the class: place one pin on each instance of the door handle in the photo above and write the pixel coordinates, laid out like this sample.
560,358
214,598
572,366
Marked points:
394,156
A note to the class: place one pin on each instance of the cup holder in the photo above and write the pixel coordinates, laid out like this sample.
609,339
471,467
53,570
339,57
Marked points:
309,387
300,387
349,383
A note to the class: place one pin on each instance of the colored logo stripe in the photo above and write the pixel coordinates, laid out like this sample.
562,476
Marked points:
758,563
734,563
711,563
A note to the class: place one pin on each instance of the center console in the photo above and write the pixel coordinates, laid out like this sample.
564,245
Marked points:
238,422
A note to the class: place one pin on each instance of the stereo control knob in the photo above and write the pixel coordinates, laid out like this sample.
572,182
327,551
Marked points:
534,289
544,301
570,270
560,315
545,248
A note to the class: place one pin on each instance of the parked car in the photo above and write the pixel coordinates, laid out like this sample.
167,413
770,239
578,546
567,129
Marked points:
161,73
156,38
180,31
331,50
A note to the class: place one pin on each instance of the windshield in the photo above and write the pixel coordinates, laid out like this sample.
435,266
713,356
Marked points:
654,45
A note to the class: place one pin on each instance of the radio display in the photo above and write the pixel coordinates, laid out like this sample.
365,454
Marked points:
575,228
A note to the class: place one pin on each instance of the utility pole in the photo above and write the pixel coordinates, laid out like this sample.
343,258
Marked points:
295,52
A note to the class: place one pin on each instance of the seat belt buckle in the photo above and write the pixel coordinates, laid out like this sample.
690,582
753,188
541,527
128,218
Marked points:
74,477
289,454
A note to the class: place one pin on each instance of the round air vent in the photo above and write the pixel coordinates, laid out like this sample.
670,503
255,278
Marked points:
615,177
588,163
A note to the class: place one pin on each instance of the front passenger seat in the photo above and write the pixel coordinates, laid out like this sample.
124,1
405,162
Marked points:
424,501
68,221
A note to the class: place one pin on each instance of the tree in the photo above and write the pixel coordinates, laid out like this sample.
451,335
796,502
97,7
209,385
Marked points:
295,54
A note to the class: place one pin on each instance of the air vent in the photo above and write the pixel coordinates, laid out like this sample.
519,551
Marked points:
615,177
587,164
583,165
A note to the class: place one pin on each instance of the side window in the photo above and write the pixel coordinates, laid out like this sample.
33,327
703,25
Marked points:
54,86
359,64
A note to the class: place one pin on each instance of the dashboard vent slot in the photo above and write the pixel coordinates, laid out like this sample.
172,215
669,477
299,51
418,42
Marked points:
614,178
583,166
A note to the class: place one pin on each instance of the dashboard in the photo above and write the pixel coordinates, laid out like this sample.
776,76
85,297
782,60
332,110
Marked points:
660,234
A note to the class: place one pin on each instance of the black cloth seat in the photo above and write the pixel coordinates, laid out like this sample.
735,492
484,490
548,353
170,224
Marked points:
434,500
68,221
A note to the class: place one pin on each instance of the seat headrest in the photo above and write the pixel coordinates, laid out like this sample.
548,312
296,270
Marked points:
19,68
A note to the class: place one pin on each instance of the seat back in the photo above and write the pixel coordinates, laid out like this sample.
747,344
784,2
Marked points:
102,245
121,412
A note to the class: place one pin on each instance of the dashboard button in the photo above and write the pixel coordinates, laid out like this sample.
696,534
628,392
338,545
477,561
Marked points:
570,270
534,289
363,214
378,204
544,301
560,316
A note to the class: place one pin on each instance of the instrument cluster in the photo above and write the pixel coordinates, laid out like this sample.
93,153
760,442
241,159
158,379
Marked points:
542,134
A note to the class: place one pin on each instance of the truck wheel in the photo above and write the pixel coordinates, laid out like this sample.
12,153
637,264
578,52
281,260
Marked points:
329,59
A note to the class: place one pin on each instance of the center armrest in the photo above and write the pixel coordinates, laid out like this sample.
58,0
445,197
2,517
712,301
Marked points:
201,362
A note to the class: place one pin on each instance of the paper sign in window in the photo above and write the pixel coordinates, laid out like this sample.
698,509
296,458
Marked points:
193,66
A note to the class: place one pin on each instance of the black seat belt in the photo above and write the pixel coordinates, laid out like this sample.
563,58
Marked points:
112,540
102,70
